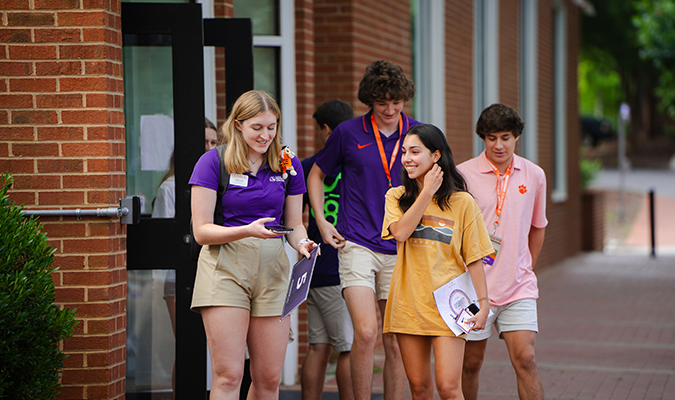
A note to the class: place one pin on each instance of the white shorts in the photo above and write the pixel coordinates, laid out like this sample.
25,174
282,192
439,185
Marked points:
521,315
328,318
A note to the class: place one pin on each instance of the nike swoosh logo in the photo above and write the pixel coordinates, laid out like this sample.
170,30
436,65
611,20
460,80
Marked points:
362,146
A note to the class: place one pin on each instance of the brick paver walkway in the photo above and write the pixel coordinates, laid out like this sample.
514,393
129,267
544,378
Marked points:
607,331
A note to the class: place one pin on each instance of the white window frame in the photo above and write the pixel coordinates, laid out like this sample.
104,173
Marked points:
430,62
210,101
286,43
288,104
485,61
529,33
560,193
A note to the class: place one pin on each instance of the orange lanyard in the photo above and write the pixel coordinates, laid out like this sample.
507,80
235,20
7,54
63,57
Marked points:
502,185
376,131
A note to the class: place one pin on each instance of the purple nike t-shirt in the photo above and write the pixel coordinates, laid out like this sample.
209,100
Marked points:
263,195
352,146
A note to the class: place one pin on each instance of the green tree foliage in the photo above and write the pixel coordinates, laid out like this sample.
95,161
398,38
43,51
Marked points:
610,41
655,23
30,324
600,92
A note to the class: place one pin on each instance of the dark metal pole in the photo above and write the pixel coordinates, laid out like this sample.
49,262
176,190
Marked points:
651,222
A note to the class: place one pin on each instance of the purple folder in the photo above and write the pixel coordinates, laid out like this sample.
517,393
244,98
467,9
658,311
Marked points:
298,285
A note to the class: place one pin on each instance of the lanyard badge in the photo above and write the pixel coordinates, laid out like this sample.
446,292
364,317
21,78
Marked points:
376,132
502,185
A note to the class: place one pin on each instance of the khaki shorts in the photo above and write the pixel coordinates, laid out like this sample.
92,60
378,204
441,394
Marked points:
328,318
360,266
250,273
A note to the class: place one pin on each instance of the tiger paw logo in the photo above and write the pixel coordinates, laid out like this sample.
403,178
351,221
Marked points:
522,189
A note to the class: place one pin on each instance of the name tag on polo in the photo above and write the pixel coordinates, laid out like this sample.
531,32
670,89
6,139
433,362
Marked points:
239,180
496,244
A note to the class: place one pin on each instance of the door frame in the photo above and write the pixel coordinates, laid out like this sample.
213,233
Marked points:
161,243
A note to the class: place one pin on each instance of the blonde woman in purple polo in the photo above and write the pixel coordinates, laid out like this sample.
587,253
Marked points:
242,272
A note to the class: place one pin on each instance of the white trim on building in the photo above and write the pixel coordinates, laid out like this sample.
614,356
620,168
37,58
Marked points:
429,61
486,61
559,193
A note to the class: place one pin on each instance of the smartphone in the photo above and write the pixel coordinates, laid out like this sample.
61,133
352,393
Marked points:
473,308
279,228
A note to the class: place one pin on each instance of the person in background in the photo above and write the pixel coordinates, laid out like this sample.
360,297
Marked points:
164,206
330,327
511,193
440,234
367,149
243,269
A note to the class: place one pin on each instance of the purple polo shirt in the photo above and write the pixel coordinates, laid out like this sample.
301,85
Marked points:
262,197
352,146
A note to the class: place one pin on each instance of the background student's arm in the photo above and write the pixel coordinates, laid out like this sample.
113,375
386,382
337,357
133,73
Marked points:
535,242
480,286
315,189
206,232
404,227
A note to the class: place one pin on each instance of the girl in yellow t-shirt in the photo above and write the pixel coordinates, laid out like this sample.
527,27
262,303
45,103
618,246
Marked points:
440,234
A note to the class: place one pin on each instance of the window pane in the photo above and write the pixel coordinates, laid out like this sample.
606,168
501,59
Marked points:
263,13
148,111
150,338
266,70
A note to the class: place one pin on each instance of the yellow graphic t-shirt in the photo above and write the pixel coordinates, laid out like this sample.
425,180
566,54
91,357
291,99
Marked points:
437,251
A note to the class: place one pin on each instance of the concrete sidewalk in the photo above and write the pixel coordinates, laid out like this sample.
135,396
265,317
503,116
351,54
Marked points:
607,331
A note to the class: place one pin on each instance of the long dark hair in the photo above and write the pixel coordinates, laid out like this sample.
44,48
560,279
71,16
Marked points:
433,139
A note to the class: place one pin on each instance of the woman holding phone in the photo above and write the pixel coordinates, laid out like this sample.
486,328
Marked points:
242,272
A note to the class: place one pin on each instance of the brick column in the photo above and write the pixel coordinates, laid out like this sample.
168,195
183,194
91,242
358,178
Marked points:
349,34
221,9
459,120
304,77
62,136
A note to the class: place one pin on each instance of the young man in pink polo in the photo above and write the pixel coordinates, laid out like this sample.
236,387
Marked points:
511,193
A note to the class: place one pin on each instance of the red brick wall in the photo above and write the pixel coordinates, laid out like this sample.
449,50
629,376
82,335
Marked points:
306,133
562,232
221,9
509,52
62,136
459,123
351,34
593,220
304,77
348,35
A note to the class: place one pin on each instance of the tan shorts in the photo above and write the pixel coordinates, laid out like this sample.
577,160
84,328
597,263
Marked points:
360,266
250,273
328,319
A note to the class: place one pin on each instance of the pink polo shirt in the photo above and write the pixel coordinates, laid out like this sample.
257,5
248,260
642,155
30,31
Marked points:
511,277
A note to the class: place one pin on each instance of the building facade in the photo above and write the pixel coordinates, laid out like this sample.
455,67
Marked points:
79,95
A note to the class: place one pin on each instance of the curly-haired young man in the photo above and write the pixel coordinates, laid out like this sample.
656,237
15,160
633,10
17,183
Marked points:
367,149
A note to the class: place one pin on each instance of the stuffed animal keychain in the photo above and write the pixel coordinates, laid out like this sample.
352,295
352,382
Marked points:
286,164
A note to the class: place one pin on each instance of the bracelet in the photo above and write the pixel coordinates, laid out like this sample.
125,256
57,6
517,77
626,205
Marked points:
303,241
482,298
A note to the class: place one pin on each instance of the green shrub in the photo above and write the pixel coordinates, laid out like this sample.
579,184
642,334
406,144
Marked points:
31,326
589,169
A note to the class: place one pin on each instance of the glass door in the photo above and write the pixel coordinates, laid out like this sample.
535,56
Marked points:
164,120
